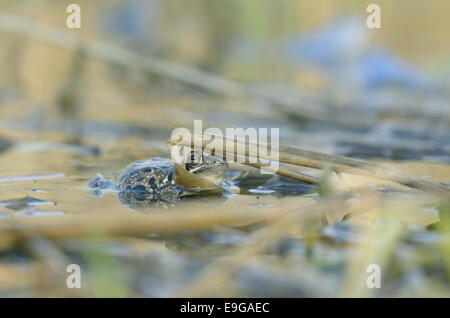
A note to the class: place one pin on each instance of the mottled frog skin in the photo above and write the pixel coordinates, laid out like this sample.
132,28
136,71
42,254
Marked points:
142,184
148,177
150,183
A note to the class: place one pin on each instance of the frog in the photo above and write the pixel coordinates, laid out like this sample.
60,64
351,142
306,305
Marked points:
142,184
151,182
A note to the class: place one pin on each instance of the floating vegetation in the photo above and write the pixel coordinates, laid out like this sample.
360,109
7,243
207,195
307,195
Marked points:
19,204
32,177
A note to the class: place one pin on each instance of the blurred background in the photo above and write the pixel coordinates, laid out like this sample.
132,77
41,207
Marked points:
310,67
75,102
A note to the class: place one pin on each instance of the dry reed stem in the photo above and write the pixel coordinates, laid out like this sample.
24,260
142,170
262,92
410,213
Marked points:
308,158
82,225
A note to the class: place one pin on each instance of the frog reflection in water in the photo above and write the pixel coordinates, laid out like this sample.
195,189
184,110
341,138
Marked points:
148,183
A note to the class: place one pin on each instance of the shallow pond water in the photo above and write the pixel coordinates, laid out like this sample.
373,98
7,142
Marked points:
45,176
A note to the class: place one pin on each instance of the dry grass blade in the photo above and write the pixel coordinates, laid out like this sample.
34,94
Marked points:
306,158
81,225
288,173
302,222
